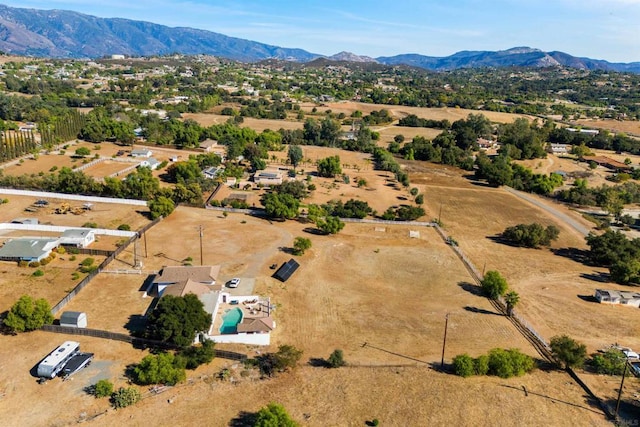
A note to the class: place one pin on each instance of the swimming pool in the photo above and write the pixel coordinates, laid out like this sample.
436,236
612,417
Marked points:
230,321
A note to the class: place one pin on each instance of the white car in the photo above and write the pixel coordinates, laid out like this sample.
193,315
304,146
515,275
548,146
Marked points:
233,283
631,354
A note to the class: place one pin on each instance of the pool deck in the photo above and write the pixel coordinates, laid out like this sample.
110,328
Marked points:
252,308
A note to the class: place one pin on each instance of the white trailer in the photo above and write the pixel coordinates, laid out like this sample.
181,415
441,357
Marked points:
57,359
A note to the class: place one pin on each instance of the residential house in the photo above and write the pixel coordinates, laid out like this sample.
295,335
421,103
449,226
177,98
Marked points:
560,148
212,172
150,163
178,276
267,178
27,249
141,152
78,237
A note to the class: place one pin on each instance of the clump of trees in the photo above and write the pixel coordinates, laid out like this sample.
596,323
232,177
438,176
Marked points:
162,368
494,286
499,362
531,235
614,250
610,362
280,206
329,167
124,397
501,171
28,314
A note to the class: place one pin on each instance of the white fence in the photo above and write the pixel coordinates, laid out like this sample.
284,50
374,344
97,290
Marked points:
47,195
62,229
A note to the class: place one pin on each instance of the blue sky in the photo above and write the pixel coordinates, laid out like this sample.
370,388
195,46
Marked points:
600,29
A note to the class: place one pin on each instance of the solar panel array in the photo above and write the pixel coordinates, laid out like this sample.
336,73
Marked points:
286,270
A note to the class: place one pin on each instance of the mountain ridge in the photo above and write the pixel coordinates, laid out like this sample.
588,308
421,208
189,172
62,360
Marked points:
67,34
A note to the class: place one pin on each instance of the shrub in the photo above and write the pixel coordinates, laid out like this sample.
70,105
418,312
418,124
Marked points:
124,397
611,362
103,388
274,414
568,351
23,263
87,262
463,365
38,273
509,363
34,264
74,251
61,250
494,285
336,359
90,225
163,368
45,261
28,314
124,227
89,269
75,275
481,365
194,356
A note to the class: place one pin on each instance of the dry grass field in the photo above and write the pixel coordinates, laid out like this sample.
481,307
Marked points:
626,126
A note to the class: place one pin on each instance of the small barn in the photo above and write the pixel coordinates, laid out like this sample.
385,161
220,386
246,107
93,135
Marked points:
74,319
286,270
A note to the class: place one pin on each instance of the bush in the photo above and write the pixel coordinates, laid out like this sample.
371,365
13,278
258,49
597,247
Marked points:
336,359
28,314
611,362
124,227
493,285
61,250
274,415
87,262
463,365
90,225
103,388
38,273
34,264
163,368
194,356
568,351
531,235
481,365
124,397
509,363
23,263
44,261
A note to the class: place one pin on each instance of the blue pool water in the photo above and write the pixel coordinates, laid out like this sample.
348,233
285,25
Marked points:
230,321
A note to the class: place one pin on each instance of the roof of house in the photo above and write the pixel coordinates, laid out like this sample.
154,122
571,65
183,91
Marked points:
603,160
208,143
185,287
256,324
618,294
175,274
80,233
27,248
140,151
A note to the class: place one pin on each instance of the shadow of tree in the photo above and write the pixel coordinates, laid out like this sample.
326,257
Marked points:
244,419
578,255
286,250
597,276
136,324
471,288
317,362
588,298
480,310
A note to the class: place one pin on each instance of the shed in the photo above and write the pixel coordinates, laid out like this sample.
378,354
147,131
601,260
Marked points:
74,319
286,270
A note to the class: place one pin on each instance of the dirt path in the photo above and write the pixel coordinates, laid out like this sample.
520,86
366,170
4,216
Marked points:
551,210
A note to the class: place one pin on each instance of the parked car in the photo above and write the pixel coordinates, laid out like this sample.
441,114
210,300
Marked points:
233,283
631,354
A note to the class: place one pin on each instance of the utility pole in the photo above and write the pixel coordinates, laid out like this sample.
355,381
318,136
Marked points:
200,229
145,243
444,342
624,374
440,215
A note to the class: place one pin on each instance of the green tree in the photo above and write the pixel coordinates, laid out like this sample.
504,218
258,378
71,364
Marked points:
329,167
163,368
300,245
494,285
124,397
161,206
28,314
177,320
295,155
330,225
281,206
83,152
531,235
336,359
569,352
463,365
611,362
509,363
511,298
196,355
274,415
103,388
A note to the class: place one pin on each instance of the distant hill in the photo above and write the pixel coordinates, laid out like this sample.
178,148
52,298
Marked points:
67,34
517,56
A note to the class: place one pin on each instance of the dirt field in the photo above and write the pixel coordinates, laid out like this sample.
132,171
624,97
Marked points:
626,126
106,168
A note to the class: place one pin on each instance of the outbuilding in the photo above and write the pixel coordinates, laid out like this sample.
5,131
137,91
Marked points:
74,319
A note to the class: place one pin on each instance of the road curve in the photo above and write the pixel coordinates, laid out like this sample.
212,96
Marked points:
556,213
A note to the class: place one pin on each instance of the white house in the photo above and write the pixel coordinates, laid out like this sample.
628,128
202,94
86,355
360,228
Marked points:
267,178
141,152
560,148
618,297
78,237
181,277
150,163
212,172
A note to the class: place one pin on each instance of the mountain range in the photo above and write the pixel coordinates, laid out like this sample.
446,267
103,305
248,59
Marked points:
68,34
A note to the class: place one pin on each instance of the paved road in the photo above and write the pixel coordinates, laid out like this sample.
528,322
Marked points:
553,211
